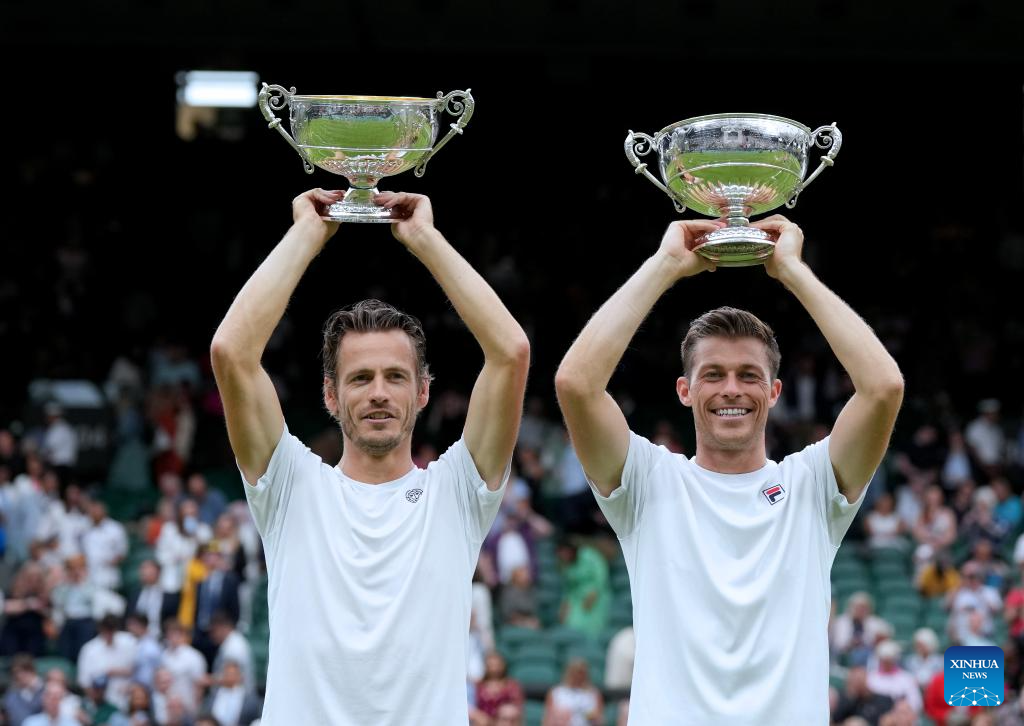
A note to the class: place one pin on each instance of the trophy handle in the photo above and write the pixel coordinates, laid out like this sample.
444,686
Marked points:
824,137
638,145
457,103
275,98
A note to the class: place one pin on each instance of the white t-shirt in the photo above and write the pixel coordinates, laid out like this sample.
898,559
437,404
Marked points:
186,665
731,592
97,658
369,588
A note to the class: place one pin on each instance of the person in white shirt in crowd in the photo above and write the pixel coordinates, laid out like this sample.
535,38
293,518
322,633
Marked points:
985,437
618,665
574,701
889,679
177,545
71,704
856,632
24,503
370,560
185,664
105,545
232,647
884,527
65,519
742,543
148,651
110,655
60,442
163,683
73,603
231,702
972,596
151,600
925,661
53,696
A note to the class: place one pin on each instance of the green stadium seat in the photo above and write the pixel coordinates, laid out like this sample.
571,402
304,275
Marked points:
543,675
533,713
48,663
538,650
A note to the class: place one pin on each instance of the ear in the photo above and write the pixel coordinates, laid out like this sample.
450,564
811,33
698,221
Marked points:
773,397
683,391
424,393
330,396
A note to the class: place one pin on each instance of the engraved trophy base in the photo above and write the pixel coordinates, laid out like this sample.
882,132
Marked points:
358,206
736,246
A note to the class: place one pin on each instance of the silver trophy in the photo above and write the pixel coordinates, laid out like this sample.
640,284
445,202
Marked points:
732,166
364,138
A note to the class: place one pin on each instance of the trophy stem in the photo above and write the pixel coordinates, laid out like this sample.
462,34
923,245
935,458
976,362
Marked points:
358,206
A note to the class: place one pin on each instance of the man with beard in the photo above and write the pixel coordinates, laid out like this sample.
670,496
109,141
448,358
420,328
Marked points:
728,553
369,561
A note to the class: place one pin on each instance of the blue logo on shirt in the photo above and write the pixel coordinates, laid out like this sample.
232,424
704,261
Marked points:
973,675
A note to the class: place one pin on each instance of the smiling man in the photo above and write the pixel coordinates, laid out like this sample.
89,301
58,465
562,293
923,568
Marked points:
728,552
370,561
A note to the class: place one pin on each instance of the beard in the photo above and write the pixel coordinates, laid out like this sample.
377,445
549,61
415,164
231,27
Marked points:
378,445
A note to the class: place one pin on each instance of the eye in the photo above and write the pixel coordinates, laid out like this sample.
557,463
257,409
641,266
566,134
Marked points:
712,375
396,376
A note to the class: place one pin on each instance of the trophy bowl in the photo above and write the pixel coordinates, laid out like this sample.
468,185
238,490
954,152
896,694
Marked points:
732,166
364,138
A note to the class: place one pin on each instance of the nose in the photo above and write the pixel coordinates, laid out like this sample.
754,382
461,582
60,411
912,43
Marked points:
378,390
731,385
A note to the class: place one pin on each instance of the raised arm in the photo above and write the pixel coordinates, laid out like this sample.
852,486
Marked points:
253,413
862,430
496,404
597,426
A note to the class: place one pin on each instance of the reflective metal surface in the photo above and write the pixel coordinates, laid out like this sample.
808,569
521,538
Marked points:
364,138
733,166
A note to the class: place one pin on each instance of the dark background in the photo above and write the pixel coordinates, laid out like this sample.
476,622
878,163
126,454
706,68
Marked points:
917,225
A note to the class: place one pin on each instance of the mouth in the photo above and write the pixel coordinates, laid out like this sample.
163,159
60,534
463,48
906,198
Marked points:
734,412
378,417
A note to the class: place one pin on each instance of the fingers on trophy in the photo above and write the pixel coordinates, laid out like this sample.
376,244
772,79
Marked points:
733,166
364,138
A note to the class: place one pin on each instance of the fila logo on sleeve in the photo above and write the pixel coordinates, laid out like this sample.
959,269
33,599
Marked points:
774,493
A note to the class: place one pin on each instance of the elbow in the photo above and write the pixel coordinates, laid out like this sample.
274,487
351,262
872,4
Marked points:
514,353
570,383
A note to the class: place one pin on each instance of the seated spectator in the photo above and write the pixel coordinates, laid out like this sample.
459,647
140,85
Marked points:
216,593
574,701
53,694
95,707
104,545
587,592
618,668
1008,509
884,527
229,544
496,688
517,601
889,679
211,503
857,700
936,573
963,499
902,714
150,599
937,525
25,610
232,647
972,595
147,649
855,632
976,634
70,705
140,706
73,607
24,696
186,666
925,661
957,468
993,570
110,655
509,714
980,522
230,702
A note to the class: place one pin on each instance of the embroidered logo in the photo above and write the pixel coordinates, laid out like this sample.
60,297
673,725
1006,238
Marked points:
413,495
775,493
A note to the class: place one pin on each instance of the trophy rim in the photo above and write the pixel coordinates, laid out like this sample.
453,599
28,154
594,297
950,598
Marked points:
714,116
410,100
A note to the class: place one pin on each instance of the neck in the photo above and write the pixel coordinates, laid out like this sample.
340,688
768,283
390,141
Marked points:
371,469
728,461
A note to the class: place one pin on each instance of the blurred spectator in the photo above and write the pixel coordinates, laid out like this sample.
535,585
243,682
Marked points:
1008,508
71,704
151,600
140,706
957,467
53,694
147,649
509,714
231,702
211,502
95,707
936,526
855,632
889,679
587,593
517,601
925,661
217,592
574,701
10,456
24,695
110,655
576,503
980,523
857,700
902,714
511,551
977,630
496,688
64,519
186,666
963,499
229,544
73,603
936,574
482,607
1013,609
104,544
177,545
162,695
993,570
884,527
60,443
24,503
25,611
910,502
232,647
985,438
923,457
972,596
618,668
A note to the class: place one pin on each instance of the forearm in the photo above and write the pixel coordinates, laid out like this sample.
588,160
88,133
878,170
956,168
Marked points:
591,360
258,308
499,335
871,368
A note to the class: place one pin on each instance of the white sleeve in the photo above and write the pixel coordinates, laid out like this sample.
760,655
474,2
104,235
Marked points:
478,505
268,500
624,507
838,511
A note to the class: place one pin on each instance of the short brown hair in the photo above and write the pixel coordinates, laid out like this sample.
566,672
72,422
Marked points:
370,316
730,323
